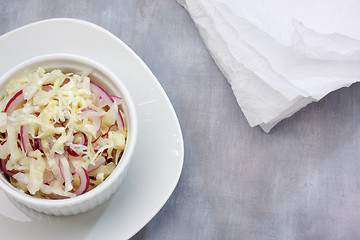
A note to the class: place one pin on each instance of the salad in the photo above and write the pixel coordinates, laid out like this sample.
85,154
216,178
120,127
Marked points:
61,135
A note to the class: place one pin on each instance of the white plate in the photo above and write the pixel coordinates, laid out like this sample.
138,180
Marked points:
159,152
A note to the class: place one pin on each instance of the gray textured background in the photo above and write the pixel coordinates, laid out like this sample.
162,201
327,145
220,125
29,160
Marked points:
300,181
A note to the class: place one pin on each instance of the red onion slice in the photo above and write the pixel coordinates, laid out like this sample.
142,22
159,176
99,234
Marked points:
97,137
84,181
3,166
101,103
88,109
117,99
14,102
98,162
108,100
56,196
80,138
21,177
70,151
105,97
24,137
111,128
36,144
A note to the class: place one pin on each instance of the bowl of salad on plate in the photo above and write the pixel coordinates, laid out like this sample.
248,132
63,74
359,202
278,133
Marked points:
68,129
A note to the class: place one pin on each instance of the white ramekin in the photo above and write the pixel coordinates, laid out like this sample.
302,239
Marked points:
110,82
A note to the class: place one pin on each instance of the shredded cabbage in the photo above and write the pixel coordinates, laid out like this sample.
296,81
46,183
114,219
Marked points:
56,126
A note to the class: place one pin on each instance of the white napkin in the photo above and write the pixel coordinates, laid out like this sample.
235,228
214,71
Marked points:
280,55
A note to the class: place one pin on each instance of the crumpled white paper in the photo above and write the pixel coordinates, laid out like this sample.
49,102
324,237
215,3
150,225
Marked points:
280,55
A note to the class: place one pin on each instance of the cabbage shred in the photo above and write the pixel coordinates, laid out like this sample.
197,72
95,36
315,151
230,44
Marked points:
55,107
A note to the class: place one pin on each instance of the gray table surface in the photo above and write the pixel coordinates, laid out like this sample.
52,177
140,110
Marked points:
301,181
